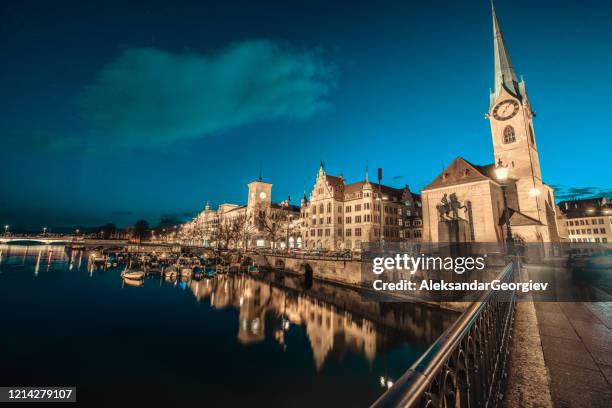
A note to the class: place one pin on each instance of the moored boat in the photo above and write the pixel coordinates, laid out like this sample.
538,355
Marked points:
133,282
132,275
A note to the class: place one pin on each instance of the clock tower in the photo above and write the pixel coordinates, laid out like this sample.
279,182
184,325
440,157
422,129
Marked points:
514,143
260,194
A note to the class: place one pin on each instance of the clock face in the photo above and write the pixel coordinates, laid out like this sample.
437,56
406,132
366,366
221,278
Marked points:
506,109
262,195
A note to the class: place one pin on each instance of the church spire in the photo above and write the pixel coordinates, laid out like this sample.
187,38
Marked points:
504,72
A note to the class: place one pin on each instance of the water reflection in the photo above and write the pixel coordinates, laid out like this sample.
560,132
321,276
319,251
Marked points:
336,319
264,331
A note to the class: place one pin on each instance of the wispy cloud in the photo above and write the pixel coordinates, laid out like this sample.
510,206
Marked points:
151,96
573,193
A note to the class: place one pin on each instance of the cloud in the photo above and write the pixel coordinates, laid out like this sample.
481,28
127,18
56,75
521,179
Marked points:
149,96
574,193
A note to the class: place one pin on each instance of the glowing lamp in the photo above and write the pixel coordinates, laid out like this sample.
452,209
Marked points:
501,173
534,192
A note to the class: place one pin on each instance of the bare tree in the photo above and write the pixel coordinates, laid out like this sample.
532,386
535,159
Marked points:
272,222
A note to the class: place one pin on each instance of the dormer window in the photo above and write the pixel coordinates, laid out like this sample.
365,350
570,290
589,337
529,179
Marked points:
509,136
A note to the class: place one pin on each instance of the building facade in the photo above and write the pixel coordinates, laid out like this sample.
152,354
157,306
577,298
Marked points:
341,216
258,224
588,220
487,200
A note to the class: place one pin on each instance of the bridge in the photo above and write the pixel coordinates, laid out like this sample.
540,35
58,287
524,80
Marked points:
42,239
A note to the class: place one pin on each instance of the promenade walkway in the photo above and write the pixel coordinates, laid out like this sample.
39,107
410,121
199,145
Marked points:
561,355
577,345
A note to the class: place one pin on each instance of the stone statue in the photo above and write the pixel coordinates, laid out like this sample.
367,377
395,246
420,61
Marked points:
443,207
448,208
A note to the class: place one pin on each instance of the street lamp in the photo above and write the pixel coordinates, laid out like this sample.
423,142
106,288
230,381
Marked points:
501,172
6,227
44,230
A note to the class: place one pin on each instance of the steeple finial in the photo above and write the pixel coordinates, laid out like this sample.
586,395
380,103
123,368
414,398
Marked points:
504,72
366,175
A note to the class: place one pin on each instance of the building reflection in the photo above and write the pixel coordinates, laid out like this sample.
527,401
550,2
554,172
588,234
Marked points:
336,320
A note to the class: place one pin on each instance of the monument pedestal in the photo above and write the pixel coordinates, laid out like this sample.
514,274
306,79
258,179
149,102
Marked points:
457,234
453,231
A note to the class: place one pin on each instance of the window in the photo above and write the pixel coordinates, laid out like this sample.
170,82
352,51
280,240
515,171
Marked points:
340,220
339,232
347,209
470,219
327,232
509,136
357,232
357,207
348,232
348,220
357,218
329,220
531,139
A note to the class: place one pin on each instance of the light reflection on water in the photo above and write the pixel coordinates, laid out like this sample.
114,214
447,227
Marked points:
263,335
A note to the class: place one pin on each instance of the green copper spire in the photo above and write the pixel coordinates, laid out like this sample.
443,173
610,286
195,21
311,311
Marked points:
504,72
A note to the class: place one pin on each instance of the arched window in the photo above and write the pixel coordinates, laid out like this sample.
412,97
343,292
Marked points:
509,136
470,219
531,139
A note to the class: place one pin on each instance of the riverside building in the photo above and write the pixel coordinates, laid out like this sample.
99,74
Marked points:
341,216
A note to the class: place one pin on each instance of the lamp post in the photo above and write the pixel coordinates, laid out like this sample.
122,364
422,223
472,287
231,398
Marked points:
44,230
6,227
501,172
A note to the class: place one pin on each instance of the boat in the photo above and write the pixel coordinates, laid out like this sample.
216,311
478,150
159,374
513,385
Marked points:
133,282
132,275
186,272
198,273
210,272
96,258
253,270
170,272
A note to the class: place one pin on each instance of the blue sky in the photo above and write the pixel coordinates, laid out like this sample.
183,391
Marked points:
115,112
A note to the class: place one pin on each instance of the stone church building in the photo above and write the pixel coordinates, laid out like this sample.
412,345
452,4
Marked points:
480,189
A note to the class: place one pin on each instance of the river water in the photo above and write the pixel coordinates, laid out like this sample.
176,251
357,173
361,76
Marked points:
234,340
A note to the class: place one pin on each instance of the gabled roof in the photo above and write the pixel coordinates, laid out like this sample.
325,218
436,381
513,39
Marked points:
461,171
517,218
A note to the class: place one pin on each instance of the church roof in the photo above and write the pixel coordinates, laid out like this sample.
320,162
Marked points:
461,171
504,71
517,218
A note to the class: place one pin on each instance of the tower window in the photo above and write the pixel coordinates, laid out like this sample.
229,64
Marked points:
509,136
531,139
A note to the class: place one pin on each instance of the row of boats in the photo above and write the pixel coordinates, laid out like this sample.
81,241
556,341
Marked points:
171,267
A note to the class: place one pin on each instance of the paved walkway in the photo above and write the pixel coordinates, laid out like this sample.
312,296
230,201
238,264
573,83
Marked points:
528,384
576,341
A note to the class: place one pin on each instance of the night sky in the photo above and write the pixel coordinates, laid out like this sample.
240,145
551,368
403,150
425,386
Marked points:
116,111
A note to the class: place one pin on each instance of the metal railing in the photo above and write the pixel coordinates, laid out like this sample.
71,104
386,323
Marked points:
466,366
